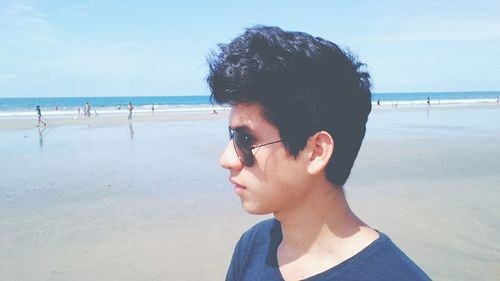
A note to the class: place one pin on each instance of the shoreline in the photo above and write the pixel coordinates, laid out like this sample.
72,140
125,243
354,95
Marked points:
52,111
120,117
105,111
111,118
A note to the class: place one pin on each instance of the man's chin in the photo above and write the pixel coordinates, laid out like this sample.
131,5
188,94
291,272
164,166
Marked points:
255,210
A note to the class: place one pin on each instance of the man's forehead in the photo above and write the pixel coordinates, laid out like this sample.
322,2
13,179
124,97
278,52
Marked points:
248,115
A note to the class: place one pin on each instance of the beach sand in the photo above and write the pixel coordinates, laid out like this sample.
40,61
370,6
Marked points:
103,199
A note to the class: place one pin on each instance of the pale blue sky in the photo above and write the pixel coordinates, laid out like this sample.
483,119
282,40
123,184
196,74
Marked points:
124,48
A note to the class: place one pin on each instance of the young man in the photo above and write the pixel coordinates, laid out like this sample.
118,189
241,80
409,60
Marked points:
299,109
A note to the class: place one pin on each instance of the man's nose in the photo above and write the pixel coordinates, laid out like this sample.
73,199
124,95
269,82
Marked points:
229,158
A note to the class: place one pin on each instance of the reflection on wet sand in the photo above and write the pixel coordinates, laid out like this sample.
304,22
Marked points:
131,129
41,131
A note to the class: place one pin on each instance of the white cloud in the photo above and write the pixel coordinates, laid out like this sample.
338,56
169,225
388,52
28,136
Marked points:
26,23
32,39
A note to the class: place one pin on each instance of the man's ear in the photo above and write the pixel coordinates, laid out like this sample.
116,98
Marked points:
320,147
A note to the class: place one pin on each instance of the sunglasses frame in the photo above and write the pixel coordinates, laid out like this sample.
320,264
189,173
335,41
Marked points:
243,148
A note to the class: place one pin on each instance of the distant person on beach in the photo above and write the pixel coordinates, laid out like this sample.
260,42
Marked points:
39,113
130,108
299,106
378,103
153,108
428,101
86,109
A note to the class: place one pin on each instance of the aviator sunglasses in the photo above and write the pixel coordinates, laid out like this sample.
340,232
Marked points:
243,147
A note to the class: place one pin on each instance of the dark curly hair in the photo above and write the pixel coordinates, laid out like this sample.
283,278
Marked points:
305,84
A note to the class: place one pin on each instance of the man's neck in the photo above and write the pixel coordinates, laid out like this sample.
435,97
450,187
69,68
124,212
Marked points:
320,233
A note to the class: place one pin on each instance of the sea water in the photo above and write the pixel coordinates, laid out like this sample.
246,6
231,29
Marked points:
444,98
65,103
18,107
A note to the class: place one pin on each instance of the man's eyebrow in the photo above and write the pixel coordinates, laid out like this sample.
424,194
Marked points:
241,128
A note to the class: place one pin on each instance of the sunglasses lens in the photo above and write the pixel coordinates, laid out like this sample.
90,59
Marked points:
243,149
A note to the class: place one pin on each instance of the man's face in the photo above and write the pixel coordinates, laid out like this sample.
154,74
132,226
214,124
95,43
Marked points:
276,180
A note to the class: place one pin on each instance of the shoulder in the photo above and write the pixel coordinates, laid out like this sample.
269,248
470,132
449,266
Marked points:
383,260
393,254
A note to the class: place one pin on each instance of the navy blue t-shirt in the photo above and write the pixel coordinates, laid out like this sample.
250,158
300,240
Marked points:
254,259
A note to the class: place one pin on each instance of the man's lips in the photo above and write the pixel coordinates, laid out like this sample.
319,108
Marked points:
237,187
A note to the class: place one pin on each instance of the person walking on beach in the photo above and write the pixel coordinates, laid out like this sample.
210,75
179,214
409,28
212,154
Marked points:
428,101
39,113
86,109
130,108
299,106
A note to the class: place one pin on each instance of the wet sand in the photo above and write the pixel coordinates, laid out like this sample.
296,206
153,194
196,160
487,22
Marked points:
112,119
105,199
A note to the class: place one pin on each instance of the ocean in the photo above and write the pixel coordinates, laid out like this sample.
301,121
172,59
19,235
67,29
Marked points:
70,103
12,107
449,98
19,107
